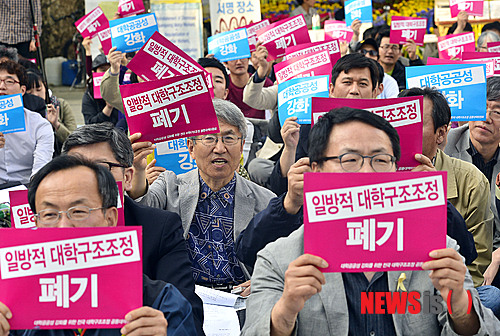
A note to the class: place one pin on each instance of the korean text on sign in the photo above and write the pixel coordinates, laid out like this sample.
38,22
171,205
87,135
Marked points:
174,155
358,9
130,34
332,47
96,80
314,64
170,108
294,97
490,64
72,274
282,34
337,30
12,114
252,32
463,85
229,46
452,46
469,6
484,57
20,211
130,7
407,28
92,23
374,219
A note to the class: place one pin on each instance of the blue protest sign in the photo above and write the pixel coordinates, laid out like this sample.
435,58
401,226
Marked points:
231,45
358,9
131,33
173,155
12,114
294,97
463,85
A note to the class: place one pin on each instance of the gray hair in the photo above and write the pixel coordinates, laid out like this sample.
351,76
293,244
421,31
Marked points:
493,88
230,114
10,53
104,132
487,35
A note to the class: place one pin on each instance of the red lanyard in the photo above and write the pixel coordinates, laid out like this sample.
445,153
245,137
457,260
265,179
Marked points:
82,332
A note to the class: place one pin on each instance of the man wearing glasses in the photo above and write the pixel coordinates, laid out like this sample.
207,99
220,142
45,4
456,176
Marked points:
214,203
290,294
22,154
477,142
390,58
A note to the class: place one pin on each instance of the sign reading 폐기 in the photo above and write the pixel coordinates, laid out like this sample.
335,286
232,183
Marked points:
472,7
12,114
174,155
307,48
404,114
337,30
313,64
129,34
282,34
452,46
252,32
170,108
230,45
92,23
407,28
73,276
463,85
294,97
374,220
130,7
358,9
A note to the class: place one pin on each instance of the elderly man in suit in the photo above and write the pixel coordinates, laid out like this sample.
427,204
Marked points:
478,142
290,295
215,203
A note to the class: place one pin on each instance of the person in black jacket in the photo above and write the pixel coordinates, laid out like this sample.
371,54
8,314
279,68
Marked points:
165,255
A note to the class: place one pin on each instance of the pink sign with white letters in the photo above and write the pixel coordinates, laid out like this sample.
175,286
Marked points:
77,277
252,32
105,39
471,7
331,46
493,46
452,46
170,108
282,34
407,28
372,222
21,215
337,30
490,64
404,114
313,64
484,57
96,80
92,23
159,59
130,7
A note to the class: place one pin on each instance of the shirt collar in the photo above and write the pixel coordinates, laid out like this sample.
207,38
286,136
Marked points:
473,152
226,193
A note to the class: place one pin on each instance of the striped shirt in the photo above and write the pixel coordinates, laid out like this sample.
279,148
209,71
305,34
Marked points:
16,24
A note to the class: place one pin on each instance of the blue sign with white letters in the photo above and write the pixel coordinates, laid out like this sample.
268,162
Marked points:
463,85
131,33
358,9
173,155
230,45
294,97
12,114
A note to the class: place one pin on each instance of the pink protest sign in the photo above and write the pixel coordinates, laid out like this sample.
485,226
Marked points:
130,7
493,46
337,30
282,34
96,80
170,108
484,57
469,6
452,46
307,48
407,28
371,222
490,64
159,59
252,32
404,114
105,39
20,211
78,277
92,23
119,206
313,64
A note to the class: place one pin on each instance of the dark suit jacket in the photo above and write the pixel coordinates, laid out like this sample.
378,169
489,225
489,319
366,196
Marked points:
164,251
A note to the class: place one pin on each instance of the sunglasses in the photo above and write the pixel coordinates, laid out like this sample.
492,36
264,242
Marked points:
370,52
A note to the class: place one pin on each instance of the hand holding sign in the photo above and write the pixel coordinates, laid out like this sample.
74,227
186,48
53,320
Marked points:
145,320
152,171
295,196
5,314
2,140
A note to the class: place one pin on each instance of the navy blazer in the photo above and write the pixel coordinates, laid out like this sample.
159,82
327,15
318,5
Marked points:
164,252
